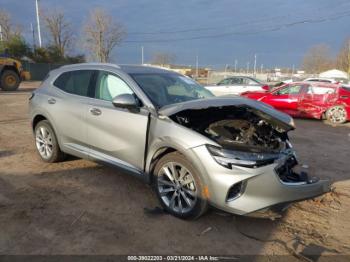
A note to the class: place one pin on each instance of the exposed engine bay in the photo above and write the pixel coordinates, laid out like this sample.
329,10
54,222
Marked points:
237,128
247,130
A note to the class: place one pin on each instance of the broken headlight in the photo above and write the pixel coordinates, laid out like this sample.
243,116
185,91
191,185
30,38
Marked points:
229,158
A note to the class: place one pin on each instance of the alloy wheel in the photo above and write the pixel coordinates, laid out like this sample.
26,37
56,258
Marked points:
337,114
177,187
43,141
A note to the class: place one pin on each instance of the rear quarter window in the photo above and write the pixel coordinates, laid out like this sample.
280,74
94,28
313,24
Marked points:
75,82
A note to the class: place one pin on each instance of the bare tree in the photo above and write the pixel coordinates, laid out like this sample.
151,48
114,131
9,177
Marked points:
102,35
8,29
343,57
59,31
163,59
318,59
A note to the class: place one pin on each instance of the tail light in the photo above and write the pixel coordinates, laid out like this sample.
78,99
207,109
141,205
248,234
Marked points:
266,87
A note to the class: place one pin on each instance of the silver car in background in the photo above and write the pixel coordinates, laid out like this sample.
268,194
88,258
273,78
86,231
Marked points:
195,149
236,85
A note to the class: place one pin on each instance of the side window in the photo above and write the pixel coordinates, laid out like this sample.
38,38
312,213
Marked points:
226,81
237,81
321,90
75,82
108,86
249,82
290,90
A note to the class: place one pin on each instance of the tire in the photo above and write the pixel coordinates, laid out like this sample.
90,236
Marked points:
186,188
46,143
336,115
9,80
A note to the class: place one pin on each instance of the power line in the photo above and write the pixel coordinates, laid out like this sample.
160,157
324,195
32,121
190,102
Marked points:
335,16
250,22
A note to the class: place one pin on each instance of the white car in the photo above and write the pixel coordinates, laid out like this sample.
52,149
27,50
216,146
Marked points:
237,85
320,79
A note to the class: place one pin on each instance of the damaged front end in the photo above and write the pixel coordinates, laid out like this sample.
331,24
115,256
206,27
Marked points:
247,137
251,139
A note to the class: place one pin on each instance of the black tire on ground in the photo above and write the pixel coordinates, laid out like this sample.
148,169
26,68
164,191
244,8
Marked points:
57,155
201,203
336,115
9,80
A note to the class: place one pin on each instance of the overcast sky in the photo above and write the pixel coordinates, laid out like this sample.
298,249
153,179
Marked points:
220,31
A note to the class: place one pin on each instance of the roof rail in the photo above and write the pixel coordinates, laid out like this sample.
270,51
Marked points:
91,64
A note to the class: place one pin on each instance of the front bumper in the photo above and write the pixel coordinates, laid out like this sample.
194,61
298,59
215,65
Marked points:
261,187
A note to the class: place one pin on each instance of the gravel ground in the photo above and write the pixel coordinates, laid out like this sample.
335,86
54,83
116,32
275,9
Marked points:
80,207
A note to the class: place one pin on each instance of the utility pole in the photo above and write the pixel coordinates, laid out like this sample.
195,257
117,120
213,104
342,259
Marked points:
33,33
196,66
254,65
38,21
142,58
1,39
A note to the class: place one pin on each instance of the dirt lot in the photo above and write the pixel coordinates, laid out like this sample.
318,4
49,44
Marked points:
80,207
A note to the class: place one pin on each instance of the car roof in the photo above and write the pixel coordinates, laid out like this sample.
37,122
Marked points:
139,69
315,83
129,69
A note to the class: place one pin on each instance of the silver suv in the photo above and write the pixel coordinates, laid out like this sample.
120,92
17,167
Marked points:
194,148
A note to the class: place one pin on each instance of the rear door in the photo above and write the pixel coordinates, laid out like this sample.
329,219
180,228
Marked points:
251,85
285,99
68,109
315,100
116,135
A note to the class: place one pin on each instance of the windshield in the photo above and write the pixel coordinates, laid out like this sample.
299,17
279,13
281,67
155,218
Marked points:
166,88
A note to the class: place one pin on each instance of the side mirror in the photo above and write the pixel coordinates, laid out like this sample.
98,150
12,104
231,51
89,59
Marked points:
127,101
265,87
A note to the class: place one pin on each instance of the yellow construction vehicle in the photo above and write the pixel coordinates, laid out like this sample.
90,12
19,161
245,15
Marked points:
11,74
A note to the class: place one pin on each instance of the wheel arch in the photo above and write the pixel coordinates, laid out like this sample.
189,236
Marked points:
154,155
37,119
164,147
39,116
9,67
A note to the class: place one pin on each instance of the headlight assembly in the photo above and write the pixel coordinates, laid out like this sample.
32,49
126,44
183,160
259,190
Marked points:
229,158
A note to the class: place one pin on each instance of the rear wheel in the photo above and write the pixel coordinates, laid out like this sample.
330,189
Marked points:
336,115
9,80
179,187
46,143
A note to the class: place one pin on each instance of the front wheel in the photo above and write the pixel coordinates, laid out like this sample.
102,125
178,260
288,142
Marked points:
336,115
179,187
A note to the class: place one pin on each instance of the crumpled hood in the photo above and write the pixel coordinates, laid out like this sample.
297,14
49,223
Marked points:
265,111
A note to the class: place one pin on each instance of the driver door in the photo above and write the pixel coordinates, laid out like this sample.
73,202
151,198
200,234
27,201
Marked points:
237,86
286,99
116,135
222,88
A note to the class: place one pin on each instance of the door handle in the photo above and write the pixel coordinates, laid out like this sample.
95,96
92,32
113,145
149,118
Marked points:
51,101
95,111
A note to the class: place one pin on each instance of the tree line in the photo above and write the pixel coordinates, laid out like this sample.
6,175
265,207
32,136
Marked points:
100,34
319,58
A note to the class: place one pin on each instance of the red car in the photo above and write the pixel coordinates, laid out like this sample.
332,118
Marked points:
309,100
